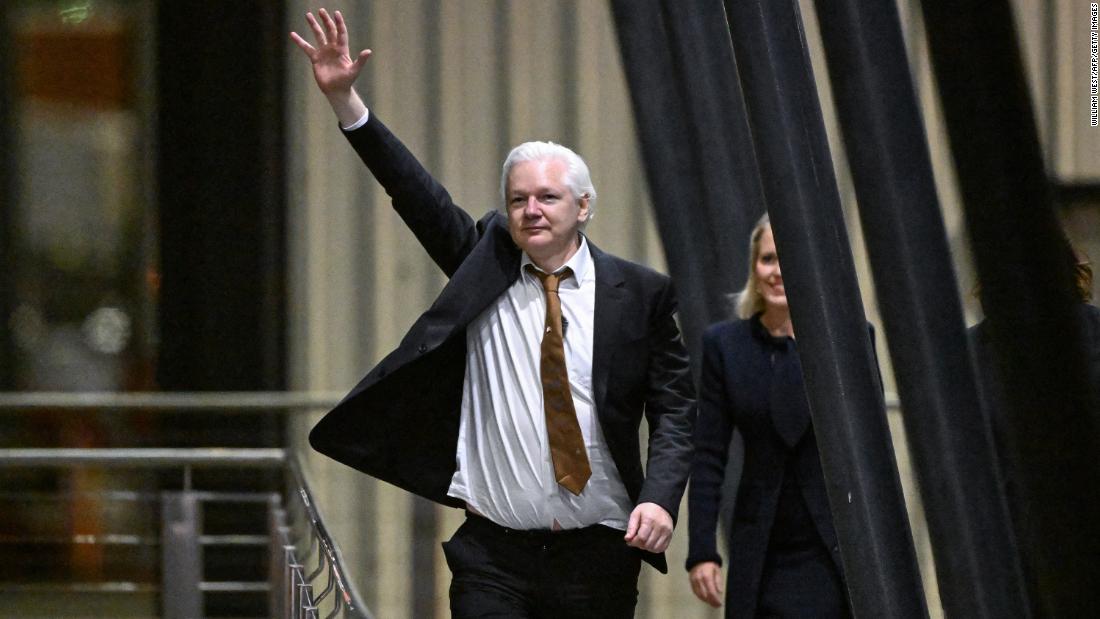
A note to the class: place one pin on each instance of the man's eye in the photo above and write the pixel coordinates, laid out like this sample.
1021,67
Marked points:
548,198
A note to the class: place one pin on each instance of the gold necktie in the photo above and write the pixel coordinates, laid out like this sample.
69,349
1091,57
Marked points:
571,467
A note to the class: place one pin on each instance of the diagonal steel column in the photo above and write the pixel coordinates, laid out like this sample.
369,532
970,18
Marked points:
695,145
976,563
841,375
724,165
1051,427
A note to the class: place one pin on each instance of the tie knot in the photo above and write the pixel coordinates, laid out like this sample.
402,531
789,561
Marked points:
550,281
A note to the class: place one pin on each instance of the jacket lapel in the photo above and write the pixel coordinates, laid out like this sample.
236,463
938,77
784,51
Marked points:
609,308
487,272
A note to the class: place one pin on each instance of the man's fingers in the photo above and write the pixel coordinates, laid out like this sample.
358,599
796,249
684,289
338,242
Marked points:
632,526
341,30
658,540
662,542
303,44
649,528
362,58
330,26
653,535
318,34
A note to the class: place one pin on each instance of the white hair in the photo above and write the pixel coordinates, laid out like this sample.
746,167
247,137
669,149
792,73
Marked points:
577,177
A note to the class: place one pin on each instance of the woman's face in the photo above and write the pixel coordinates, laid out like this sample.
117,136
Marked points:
769,279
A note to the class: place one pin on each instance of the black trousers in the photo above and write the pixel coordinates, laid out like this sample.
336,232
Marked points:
500,572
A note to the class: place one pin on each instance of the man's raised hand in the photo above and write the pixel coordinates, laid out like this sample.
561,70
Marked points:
333,67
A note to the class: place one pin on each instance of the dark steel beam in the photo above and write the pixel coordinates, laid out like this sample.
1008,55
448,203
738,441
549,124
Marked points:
731,199
695,147
838,360
976,563
1051,426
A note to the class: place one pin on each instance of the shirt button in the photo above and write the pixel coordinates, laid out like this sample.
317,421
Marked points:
423,349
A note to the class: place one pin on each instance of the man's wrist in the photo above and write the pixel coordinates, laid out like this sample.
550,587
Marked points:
347,105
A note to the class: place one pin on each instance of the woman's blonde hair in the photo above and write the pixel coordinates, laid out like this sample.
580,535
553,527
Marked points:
749,300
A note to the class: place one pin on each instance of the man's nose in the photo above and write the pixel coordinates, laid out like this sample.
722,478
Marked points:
531,209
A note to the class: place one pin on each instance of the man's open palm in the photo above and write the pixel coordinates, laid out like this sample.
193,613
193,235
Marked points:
333,67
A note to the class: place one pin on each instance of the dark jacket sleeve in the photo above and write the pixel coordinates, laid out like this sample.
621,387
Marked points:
447,233
669,408
713,430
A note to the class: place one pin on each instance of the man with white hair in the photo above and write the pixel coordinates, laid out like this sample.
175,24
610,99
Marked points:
518,395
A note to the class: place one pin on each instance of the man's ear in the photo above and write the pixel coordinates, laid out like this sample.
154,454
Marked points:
582,202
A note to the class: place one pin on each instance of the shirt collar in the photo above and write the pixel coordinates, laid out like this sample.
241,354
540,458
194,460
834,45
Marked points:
580,263
758,328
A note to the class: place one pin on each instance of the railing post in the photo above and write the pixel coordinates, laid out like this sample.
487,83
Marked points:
293,568
305,603
277,558
181,555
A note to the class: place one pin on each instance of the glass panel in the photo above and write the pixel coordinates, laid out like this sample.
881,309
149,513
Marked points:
82,289
85,274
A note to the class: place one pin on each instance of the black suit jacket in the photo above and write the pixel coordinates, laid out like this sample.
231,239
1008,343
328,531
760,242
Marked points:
735,391
400,423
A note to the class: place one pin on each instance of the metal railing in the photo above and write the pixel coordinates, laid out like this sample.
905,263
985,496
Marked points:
306,575
222,401
298,590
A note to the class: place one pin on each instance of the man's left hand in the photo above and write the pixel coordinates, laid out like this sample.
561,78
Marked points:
649,528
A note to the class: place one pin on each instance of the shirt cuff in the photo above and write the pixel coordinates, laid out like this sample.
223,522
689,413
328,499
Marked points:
359,123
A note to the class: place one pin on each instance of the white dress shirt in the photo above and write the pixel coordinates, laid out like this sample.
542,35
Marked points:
504,469
359,123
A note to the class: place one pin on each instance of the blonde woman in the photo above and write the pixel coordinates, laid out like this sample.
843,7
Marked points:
783,555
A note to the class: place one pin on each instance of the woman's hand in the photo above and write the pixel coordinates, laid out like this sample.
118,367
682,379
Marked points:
706,582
